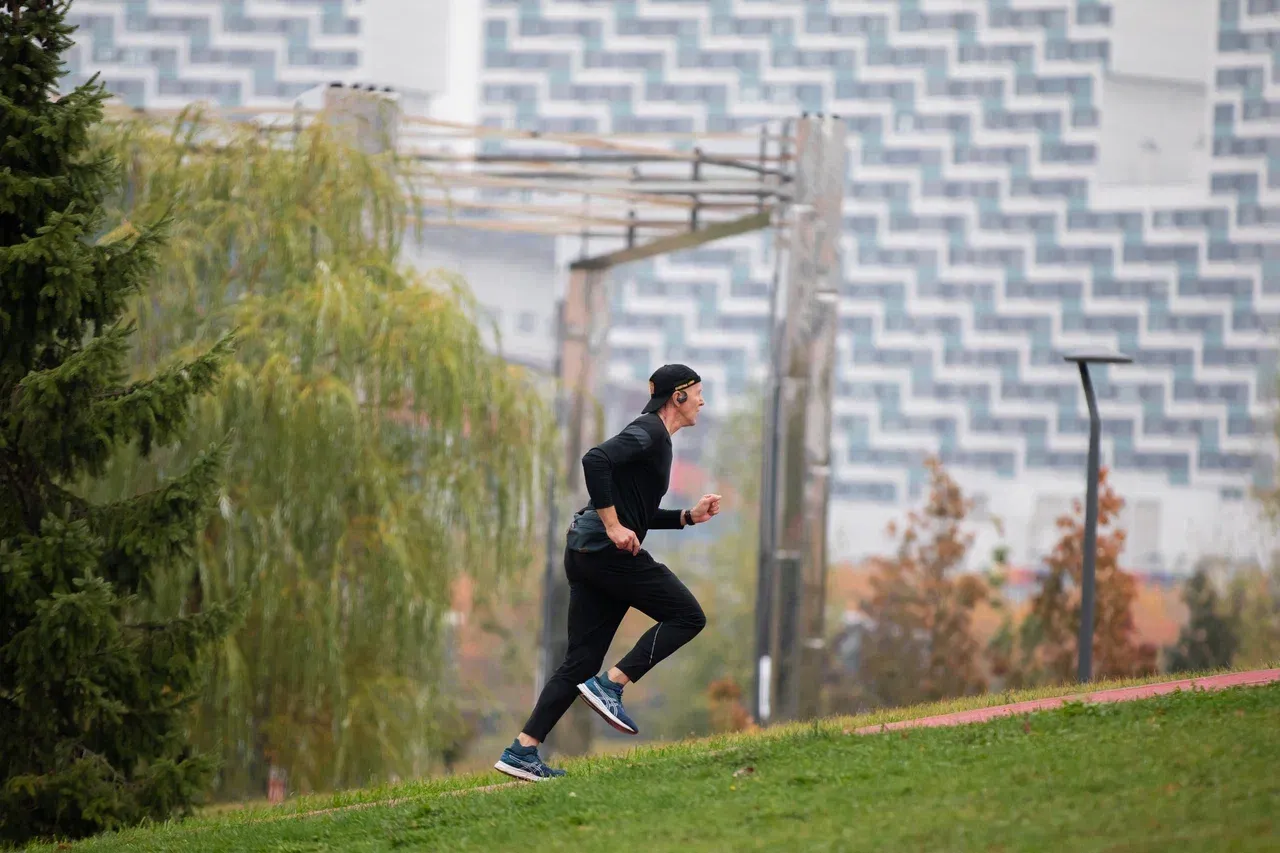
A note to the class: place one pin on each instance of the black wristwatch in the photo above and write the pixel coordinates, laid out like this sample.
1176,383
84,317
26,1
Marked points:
688,518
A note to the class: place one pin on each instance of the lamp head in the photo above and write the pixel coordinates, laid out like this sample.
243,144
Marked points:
1097,355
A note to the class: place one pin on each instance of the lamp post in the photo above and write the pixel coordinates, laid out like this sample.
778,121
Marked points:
1083,358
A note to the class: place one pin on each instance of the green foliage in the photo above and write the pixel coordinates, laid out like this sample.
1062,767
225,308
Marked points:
1191,770
1253,595
1209,639
380,450
95,679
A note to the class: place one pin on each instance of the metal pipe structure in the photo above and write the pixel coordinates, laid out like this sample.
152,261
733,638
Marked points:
583,340
1089,549
580,159
801,196
582,336
762,694
791,640
799,193
676,242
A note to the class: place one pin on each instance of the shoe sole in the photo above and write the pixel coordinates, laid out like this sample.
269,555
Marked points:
517,773
596,705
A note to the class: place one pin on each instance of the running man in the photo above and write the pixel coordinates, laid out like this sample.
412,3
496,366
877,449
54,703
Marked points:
609,572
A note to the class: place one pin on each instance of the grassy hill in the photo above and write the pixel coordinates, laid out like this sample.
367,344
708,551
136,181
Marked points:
1191,770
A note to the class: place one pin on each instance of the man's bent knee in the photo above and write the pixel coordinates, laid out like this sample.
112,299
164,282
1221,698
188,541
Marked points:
579,670
696,620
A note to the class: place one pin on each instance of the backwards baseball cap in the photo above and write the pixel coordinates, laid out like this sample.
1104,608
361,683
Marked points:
667,380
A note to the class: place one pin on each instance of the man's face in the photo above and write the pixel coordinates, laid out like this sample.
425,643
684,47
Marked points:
689,408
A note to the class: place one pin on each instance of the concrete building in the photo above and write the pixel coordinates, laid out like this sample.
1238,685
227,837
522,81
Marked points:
1026,176
257,53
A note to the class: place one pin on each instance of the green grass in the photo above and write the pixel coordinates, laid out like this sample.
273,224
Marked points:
612,748
1196,770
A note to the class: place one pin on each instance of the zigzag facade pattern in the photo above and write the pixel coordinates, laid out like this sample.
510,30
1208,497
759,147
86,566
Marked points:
237,53
978,242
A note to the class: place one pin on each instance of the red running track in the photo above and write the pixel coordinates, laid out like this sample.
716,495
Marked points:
1119,694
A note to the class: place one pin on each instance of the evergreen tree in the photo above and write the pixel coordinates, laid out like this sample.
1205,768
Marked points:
93,679
1209,639
1254,594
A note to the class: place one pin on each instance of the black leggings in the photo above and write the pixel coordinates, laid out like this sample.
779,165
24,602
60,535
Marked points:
602,587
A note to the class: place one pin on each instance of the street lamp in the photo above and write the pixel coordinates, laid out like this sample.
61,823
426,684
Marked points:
1083,358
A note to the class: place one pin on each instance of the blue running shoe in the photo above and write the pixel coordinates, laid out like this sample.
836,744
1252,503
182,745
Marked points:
523,762
605,698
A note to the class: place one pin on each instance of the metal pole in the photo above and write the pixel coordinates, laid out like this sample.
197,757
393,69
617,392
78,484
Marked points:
822,327
762,695
546,642
793,513
1085,671
582,341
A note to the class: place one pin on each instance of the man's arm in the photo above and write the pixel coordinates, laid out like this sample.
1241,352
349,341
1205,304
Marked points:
667,519
672,519
597,469
624,539
598,462
703,510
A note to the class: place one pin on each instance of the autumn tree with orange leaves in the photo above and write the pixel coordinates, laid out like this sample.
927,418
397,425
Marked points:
920,645
1044,649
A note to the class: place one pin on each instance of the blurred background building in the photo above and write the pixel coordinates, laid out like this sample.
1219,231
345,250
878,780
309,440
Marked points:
1025,177
243,53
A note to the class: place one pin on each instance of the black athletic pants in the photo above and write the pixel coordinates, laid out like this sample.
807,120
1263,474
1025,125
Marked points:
602,586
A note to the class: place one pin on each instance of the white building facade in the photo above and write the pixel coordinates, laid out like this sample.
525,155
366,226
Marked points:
257,53
1026,176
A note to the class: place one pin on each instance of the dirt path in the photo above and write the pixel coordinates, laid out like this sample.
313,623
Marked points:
355,807
1119,694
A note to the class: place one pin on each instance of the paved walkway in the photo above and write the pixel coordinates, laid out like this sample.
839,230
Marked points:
1119,694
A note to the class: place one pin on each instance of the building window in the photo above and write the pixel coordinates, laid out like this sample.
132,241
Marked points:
1140,520
1042,531
1155,96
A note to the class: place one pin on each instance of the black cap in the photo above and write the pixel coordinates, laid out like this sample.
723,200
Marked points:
667,380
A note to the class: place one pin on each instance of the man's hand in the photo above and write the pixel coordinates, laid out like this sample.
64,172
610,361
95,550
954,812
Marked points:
622,538
705,508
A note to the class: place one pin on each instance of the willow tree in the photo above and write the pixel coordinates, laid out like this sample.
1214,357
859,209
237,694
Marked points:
379,449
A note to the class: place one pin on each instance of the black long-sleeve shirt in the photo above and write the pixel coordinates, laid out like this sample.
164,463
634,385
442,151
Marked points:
631,472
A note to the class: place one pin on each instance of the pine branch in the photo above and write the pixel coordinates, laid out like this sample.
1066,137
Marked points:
150,529
157,409
58,419
119,269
